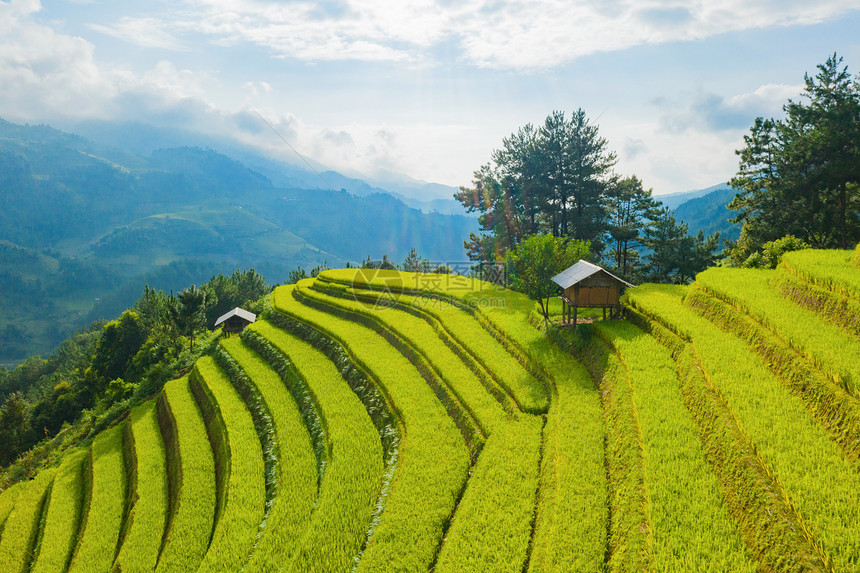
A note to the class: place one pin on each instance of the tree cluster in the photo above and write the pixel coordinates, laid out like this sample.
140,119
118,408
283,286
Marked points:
539,257
127,358
800,175
299,273
413,263
558,179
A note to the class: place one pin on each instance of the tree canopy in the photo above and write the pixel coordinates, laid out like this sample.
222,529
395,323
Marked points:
674,255
538,258
800,175
549,179
105,365
558,179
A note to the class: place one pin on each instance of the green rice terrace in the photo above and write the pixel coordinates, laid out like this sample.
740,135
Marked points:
385,421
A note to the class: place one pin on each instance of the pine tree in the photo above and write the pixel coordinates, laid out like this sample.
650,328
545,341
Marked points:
675,256
628,205
552,179
191,311
801,175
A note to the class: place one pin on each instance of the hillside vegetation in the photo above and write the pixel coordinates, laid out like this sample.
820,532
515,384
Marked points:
377,420
84,225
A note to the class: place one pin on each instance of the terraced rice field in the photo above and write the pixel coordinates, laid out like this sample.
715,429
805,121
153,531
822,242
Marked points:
385,421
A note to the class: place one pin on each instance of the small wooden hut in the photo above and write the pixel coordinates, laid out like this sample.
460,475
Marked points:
235,321
590,286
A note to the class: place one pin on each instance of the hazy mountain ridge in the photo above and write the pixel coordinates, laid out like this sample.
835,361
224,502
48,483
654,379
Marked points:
97,222
286,170
705,210
119,219
709,213
675,200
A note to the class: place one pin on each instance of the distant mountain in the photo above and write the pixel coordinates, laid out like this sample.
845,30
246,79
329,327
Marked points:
673,200
84,225
708,212
442,206
413,195
286,170
413,188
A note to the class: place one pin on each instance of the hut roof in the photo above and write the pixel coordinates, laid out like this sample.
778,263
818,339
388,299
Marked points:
241,313
580,271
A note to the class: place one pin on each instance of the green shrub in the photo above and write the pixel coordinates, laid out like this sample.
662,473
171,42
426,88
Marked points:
773,251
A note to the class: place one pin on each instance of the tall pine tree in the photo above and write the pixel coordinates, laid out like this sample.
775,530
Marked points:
801,175
629,205
552,179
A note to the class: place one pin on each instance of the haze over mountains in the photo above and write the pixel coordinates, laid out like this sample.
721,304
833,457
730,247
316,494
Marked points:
84,225
85,222
288,170
707,211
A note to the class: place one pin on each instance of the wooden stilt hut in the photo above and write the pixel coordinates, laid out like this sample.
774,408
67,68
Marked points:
587,285
235,321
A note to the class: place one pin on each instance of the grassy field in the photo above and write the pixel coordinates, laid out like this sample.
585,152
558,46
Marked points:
690,523
334,535
787,439
434,460
379,421
19,539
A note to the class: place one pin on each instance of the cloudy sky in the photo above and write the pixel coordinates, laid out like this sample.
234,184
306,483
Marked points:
427,88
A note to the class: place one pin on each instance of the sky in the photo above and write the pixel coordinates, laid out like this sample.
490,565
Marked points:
427,88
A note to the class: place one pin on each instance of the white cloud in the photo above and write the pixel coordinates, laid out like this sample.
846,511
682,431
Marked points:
549,33
513,34
313,31
678,161
45,74
42,71
692,144
423,151
178,83
632,147
767,99
146,32
706,111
